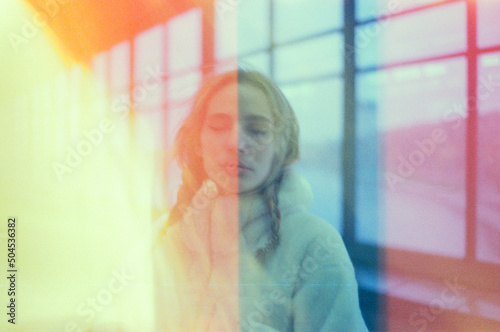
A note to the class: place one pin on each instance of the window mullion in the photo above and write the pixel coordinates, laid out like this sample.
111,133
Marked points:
348,152
471,134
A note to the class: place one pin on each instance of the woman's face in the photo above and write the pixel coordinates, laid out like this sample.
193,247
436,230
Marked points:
237,137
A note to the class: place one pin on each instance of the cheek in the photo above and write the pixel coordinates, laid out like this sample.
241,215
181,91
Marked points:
211,144
210,150
267,159
204,148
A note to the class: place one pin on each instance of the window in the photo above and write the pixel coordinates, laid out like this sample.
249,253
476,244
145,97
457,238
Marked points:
416,130
314,91
320,142
395,40
397,102
404,126
411,186
488,181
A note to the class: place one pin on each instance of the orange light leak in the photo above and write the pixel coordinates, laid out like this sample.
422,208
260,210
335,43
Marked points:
81,174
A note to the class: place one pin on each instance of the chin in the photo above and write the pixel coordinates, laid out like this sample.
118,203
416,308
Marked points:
230,188
247,188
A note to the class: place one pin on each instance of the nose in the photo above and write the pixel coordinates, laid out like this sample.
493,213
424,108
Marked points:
243,140
239,140
231,138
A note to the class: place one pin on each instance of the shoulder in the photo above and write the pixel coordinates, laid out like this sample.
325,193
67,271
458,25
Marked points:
313,237
302,232
295,199
324,282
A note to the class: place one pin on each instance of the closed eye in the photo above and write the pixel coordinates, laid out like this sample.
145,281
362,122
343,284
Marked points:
258,129
258,132
220,122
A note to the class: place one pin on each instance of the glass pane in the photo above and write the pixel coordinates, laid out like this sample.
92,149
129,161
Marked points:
120,67
318,107
148,52
181,89
225,29
260,62
312,58
120,79
148,68
301,18
488,182
184,41
410,159
253,25
487,23
100,70
366,9
405,38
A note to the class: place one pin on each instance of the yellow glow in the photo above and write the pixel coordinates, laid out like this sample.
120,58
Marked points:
83,230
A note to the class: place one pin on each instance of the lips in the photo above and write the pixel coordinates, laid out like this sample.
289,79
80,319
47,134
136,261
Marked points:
231,168
234,169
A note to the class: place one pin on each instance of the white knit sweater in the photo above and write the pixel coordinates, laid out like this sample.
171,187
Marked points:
209,278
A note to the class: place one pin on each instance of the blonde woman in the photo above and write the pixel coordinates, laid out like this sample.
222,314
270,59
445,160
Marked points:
240,250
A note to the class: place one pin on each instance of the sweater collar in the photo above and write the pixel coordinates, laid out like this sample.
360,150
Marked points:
255,223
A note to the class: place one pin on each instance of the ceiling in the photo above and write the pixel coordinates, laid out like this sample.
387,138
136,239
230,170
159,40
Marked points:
86,27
